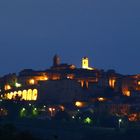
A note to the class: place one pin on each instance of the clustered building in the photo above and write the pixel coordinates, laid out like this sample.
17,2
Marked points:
64,83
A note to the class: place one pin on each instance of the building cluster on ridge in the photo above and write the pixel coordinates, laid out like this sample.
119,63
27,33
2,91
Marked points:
64,83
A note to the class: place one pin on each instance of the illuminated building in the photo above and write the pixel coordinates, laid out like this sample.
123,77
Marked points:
85,63
66,83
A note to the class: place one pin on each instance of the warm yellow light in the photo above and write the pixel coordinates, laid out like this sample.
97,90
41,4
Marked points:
9,96
112,83
29,95
139,83
79,104
7,87
35,94
45,78
18,85
32,81
19,93
85,63
41,78
101,99
127,93
70,76
50,109
24,94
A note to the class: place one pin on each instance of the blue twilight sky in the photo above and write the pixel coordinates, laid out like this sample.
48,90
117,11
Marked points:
107,31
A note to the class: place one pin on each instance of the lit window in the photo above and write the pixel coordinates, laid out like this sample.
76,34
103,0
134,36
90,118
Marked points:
112,83
9,95
7,87
20,93
35,94
24,94
79,104
12,95
29,95
15,93
32,81
101,99
127,93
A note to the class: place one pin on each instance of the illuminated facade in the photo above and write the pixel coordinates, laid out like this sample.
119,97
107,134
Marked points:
66,83
27,95
85,63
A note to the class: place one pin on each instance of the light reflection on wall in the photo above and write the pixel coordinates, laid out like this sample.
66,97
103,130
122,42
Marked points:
112,82
28,95
126,92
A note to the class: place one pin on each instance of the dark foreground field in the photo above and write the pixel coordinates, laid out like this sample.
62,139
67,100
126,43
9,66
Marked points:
61,130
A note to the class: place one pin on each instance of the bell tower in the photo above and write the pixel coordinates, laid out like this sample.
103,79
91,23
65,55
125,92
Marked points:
56,60
85,63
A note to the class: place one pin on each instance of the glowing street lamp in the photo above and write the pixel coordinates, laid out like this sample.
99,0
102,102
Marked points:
119,122
23,109
51,111
73,117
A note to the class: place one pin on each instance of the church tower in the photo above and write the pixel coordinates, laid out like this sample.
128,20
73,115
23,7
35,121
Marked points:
56,60
85,63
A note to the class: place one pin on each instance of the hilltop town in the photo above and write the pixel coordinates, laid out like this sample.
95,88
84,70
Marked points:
64,87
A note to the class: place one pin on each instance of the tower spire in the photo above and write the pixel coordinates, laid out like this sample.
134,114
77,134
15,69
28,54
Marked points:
56,60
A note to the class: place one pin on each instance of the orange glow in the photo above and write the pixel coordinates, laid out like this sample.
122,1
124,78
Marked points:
55,77
79,104
112,83
139,83
72,67
62,108
127,93
41,78
132,117
32,81
50,109
7,87
70,76
101,99
82,83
